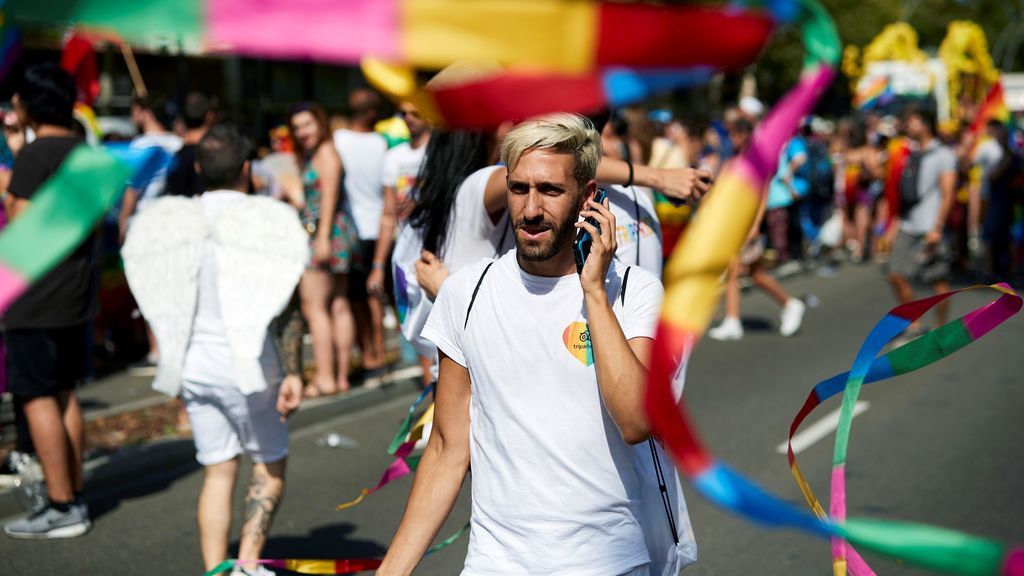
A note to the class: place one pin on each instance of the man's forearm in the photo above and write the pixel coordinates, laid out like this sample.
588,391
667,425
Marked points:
386,233
438,482
946,206
131,198
288,328
620,374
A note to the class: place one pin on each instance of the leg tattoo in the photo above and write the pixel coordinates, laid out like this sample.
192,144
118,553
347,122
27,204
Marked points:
260,505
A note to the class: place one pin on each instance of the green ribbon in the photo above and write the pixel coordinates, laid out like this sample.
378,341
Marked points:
64,211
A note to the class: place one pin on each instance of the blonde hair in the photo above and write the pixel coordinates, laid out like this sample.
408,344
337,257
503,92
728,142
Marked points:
562,133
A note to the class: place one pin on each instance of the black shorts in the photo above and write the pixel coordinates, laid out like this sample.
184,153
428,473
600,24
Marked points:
357,277
44,361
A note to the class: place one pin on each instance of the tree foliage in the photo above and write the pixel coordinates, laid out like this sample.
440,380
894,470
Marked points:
858,21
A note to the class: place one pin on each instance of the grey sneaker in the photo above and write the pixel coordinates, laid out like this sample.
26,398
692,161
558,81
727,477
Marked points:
49,523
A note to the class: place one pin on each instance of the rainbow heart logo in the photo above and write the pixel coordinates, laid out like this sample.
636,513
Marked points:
577,341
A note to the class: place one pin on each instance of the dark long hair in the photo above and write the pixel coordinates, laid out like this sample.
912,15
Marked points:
320,115
451,158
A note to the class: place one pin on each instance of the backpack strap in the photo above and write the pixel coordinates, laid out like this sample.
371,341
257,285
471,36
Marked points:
472,299
658,470
665,500
622,289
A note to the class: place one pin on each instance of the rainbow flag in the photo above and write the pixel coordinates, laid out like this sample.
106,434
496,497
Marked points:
874,94
992,108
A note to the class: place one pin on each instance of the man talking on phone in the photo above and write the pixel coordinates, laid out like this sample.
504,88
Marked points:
542,372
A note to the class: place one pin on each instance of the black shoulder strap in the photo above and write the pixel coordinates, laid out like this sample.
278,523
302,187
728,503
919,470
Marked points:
622,289
504,234
666,500
475,291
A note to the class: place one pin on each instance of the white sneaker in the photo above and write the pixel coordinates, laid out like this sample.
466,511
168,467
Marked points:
791,317
249,570
729,329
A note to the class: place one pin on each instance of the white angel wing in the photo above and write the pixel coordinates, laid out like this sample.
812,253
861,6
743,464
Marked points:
162,255
261,250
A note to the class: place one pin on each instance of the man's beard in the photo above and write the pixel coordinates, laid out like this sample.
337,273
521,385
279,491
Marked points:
545,250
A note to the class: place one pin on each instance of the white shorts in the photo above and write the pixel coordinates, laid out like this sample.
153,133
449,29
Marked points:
226,422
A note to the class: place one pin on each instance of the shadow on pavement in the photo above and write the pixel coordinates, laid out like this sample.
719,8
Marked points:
326,542
89,404
105,500
757,324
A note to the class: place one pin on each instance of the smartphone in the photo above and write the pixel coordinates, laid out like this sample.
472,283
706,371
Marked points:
705,179
581,247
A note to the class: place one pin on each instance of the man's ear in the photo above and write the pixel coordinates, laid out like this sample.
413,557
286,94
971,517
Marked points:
195,165
589,192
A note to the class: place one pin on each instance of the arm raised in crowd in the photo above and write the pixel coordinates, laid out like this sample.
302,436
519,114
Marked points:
685,184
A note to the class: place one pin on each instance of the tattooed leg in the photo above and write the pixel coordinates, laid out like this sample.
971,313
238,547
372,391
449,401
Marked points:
261,501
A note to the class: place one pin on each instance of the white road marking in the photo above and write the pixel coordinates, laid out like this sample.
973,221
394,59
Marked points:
820,429
407,372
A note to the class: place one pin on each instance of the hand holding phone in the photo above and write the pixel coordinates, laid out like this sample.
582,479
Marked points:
581,246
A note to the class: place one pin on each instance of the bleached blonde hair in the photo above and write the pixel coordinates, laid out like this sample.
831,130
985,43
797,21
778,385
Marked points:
562,133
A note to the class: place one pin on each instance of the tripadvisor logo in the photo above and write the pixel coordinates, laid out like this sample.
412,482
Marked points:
576,338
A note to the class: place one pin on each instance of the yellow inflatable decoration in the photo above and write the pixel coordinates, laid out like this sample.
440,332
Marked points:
897,41
969,67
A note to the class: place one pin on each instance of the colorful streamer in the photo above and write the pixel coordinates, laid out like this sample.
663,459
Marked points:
691,295
330,566
867,369
569,37
401,447
64,211
560,54
303,565
974,556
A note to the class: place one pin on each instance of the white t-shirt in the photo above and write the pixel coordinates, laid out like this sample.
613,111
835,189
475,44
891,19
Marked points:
988,155
472,236
171,143
362,156
208,359
401,167
638,230
554,485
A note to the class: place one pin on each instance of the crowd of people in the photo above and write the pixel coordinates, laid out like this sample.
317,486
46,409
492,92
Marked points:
470,240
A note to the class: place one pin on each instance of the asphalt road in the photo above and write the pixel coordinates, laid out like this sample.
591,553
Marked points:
940,446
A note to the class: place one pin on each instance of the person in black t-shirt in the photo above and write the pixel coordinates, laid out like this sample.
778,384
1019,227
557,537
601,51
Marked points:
46,327
182,178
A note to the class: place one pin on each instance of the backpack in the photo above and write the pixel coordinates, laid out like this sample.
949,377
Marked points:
820,173
910,192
